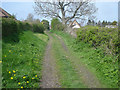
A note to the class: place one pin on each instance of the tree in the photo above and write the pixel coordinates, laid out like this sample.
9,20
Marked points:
30,17
89,22
99,23
114,23
46,24
104,23
65,10
57,25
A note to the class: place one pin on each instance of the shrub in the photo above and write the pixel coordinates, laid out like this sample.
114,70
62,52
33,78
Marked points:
98,36
9,27
12,28
57,25
38,28
46,24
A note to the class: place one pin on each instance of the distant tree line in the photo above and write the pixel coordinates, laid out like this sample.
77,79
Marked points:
31,19
99,23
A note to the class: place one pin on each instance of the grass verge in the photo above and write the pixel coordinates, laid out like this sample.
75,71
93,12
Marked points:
22,61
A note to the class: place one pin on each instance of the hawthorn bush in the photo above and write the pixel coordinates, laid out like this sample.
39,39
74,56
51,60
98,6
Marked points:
100,36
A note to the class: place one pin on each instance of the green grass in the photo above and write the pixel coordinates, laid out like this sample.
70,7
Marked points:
68,77
0,64
22,61
105,67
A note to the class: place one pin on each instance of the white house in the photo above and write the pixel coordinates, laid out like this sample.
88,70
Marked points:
110,26
74,24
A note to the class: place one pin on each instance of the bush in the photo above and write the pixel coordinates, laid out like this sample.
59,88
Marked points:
9,27
57,25
38,28
12,28
98,36
46,24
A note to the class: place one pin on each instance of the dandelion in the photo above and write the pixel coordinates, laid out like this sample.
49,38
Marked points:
19,83
35,75
11,77
27,81
5,56
9,50
9,72
21,86
14,74
0,61
24,77
14,71
32,78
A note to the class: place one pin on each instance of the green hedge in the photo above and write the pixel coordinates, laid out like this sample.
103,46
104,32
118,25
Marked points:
99,36
13,27
38,28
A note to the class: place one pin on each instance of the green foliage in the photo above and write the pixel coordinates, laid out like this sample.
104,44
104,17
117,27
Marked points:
22,61
38,28
114,23
57,25
12,28
97,36
46,24
105,67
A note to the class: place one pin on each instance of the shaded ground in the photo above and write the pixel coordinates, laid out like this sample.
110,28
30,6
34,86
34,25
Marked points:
50,77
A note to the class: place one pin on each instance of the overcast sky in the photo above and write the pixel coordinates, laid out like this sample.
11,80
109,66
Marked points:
107,9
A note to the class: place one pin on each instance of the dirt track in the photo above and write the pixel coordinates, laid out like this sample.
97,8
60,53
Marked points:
49,72
50,78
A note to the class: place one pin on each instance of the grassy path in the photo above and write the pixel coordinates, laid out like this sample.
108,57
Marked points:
61,68
49,76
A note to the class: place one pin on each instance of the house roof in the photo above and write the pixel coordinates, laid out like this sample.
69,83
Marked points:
71,23
3,13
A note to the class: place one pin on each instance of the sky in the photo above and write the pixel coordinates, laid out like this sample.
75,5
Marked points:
107,9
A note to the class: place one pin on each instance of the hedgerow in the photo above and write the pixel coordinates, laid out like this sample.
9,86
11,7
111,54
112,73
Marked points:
12,27
100,36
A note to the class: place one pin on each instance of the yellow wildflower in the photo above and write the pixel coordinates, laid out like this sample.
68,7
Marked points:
0,61
19,83
21,86
35,75
24,77
14,74
5,56
9,72
27,81
14,71
11,77
9,50
32,78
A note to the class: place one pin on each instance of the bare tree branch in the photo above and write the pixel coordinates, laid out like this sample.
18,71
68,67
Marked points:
64,9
